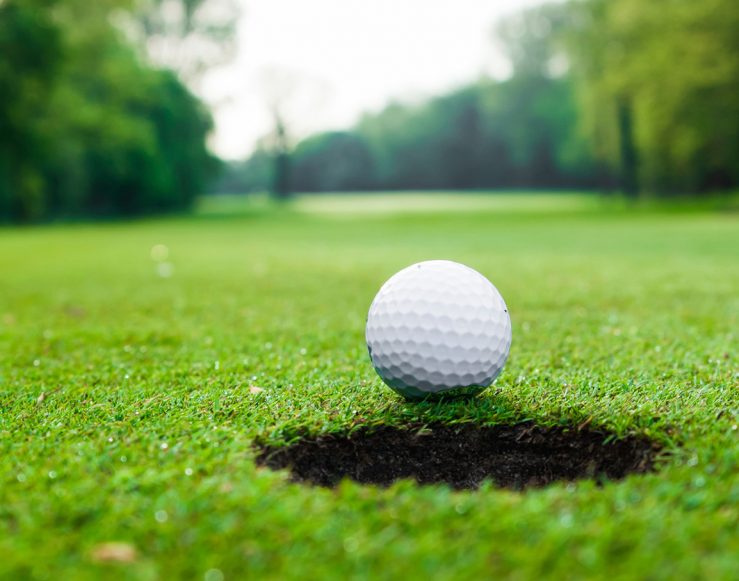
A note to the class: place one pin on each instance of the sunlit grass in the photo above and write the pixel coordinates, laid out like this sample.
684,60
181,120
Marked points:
359,205
126,412
362,205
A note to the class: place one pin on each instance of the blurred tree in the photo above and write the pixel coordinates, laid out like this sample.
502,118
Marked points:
30,45
536,119
532,40
642,96
91,129
249,176
517,133
281,157
536,109
337,161
186,36
288,94
658,90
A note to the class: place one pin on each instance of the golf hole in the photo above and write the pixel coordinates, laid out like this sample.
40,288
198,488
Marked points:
462,456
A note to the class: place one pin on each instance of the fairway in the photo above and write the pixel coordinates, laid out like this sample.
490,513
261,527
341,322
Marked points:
140,362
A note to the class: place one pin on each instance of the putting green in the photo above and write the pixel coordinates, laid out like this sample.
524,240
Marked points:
140,361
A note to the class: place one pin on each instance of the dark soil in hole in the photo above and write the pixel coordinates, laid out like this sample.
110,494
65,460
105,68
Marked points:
462,456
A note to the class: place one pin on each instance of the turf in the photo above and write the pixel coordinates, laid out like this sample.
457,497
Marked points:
131,391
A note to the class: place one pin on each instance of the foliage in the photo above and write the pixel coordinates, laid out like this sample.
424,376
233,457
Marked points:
126,413
251,175
29,42
639,96
658,88
186,36
521,132
333,161
531,39
517,133
91,129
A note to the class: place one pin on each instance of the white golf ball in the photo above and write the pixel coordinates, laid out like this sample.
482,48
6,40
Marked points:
438,327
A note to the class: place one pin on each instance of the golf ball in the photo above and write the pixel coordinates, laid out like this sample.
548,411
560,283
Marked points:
438,327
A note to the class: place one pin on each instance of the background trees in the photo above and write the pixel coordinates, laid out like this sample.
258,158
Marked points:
657,86
186,36
87,126
615,94
97,117
522,132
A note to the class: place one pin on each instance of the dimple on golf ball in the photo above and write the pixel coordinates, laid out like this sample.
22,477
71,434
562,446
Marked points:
438,327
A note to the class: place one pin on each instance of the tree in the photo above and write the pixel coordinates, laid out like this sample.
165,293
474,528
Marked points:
30,44
536,109
251,175
288,95
533,42
189,37
518,133
90,128
611,92
658,85
333,162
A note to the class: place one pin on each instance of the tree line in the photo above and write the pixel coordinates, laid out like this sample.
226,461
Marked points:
97,115
639,97
90,126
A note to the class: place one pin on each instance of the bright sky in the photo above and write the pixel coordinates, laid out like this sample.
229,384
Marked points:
347,57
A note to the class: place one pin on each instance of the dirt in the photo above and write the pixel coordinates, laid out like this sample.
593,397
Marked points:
463,456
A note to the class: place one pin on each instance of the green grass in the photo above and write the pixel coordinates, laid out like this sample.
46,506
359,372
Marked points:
126,414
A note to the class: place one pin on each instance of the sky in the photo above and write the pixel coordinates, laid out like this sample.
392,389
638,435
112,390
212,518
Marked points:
332,60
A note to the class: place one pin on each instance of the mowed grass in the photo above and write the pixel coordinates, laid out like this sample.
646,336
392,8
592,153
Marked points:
128,408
